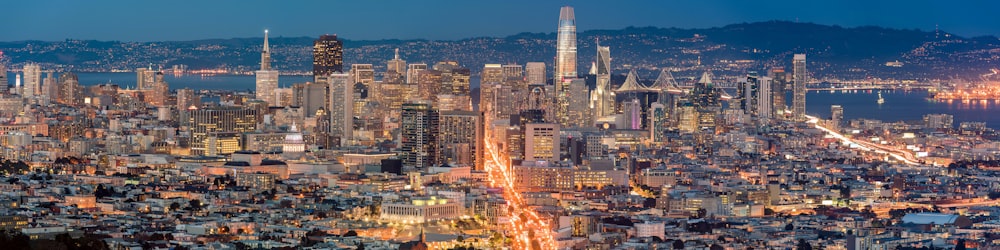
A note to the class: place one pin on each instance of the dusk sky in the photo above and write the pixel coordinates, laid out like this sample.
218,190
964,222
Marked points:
360,20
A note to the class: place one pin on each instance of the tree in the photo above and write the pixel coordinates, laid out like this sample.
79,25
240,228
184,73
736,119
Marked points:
789,227
174,206
649,203
960,244
803,245
351,233
678,244
194,204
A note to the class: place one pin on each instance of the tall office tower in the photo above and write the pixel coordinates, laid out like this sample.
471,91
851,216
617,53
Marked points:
267,78
412,72
762,98
541,142
453,80
396,65
492,73
705,98
187,100
745,90
800,78
632,109
3,76
312,96
145,78
363,73
70,92
778,90
209,123
341,107
535,72
17,85
50,85
659,121
328,56
513,72
419,131
602,100
32,80
565,65
160,90
836,116
458,139
579,113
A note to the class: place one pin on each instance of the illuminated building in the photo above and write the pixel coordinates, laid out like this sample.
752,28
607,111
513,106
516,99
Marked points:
598,174
294,145
412,71
579,113
205,122
459,138
32,80
565,65
419,129
778,91
396,65
420,210
542,176
222,143
312,96
70,92
187,99
632,111
513,72
267,78
602,98
3,77
939,121
541,142
328,56
535,72
255,181
755,95
800,78
341,107
659,122
836,116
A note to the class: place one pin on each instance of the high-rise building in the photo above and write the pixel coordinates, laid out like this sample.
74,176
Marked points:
755,95
541,142
632,110
3,76
210,123
341,106
513,72
602,100
363,73
800,78
778,90
267,78
836,116
565,65
419,131
328,56
762,98
32,80
50,86
312,96
579,113
70,92
186,99
492,73
413,70
396,65
535,72
459,140
144,78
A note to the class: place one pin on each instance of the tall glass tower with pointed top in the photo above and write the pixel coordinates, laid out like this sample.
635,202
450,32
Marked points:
267,78
602,101
565,64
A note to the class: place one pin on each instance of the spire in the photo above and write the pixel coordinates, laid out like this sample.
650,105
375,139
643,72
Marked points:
265,54
397,54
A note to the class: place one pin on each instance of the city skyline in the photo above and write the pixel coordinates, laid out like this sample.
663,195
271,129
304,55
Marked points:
225,19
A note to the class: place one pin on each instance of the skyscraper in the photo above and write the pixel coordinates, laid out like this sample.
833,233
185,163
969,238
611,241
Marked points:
267,79
396,65
602,101
144,78
341,106
778,91
32,80
800,78
413,70
836,116
535,72
419,131
578,112
186,99
458,138
206,123
565,62
3,76
70,92
328,55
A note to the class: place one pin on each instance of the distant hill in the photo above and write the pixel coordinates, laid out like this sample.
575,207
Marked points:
833,51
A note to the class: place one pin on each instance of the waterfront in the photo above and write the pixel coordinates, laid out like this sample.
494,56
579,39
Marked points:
899,105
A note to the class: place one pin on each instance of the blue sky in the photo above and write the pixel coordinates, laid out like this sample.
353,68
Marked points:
142,20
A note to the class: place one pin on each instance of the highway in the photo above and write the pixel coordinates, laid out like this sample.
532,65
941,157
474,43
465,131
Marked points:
903,156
